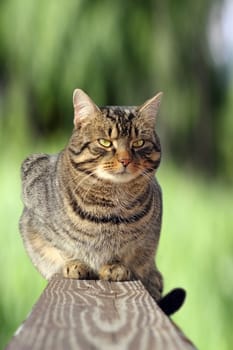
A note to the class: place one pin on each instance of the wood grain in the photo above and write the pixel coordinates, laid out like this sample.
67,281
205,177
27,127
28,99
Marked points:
74,314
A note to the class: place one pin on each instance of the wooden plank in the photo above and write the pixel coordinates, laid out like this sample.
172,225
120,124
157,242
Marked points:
75,314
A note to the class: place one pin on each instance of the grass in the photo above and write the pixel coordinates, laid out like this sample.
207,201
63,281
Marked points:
195,252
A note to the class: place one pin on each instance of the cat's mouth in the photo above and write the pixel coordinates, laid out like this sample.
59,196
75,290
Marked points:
121,176
122,171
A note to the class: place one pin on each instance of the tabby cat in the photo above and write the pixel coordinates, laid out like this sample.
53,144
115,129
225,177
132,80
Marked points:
94,209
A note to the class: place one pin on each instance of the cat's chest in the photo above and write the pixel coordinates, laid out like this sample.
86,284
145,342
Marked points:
118,220
110,232
99,234
101,245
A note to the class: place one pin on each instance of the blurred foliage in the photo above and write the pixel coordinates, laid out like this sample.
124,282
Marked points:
120,52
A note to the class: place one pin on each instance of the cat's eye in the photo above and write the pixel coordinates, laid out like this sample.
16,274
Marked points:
138,143
105,143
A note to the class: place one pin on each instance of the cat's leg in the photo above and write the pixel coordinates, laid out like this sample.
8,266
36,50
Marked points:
143,267
153,282
115,272
50,260
169,303
145,270
78,270
46,258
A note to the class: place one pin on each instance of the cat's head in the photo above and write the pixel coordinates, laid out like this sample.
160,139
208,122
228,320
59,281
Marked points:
116,144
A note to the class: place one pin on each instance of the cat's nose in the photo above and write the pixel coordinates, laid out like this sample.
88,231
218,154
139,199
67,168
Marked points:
125,161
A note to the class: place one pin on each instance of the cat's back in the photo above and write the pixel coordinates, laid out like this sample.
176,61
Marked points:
36,173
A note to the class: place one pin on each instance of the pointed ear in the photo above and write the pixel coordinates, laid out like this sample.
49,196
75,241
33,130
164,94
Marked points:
83,106
150,107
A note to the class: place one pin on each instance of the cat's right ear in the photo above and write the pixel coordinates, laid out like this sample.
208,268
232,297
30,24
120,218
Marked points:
83,106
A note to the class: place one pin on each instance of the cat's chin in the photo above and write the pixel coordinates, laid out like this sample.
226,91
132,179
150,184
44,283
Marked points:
116,178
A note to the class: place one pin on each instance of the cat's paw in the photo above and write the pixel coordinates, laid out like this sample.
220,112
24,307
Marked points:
115,273
77,270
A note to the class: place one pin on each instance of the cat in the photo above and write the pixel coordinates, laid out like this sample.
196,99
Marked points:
94,210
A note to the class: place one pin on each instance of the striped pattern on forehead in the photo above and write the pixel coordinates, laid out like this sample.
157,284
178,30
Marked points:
122,117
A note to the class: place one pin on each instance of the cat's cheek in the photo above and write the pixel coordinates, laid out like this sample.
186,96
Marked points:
103,174
135,169
151,165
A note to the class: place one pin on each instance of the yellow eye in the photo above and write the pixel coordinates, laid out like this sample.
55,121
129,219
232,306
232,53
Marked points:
138,143
105,143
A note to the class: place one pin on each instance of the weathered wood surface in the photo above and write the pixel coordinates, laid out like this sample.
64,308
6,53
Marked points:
74,314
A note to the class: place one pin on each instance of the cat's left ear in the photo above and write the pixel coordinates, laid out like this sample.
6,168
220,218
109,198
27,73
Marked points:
84,107
150,108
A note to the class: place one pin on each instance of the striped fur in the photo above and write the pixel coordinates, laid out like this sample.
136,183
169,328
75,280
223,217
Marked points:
94,209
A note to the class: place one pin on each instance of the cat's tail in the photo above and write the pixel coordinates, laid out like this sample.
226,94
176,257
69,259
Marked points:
172,301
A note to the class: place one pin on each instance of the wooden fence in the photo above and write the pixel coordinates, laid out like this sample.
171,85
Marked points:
91,315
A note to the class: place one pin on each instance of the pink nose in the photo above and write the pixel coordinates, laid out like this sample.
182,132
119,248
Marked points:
124,161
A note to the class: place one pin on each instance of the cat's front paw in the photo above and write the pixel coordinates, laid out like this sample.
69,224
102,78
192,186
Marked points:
77,270
115,273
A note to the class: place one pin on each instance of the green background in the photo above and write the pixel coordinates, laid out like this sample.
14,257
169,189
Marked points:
123,52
